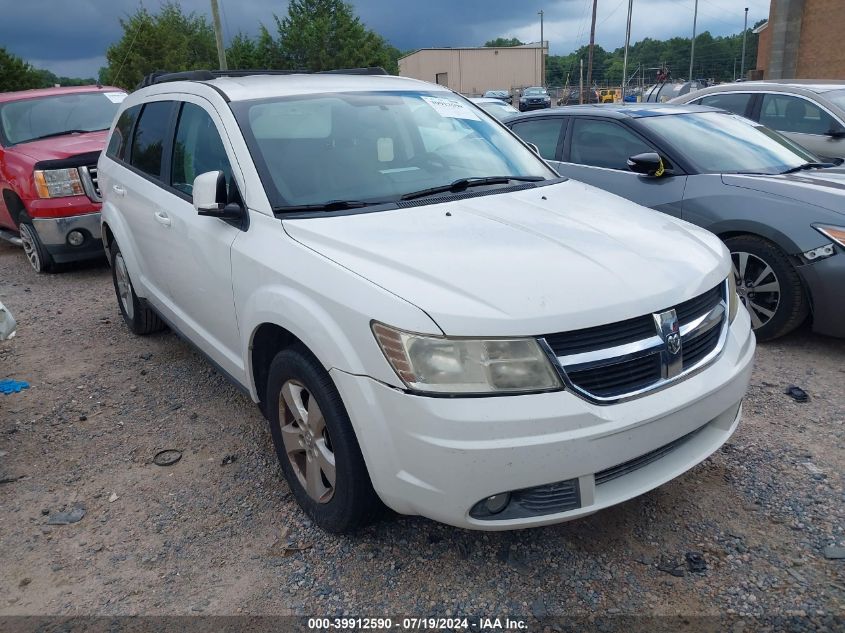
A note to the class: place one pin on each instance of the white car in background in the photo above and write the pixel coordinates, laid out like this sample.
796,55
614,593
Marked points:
427,314
498,108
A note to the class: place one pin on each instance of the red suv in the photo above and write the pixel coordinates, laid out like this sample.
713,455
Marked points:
50,141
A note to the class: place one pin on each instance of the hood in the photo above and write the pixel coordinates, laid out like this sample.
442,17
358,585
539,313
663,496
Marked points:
820,187
59,147
536,261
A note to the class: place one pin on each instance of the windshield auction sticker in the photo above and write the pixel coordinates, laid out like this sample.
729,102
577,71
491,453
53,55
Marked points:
115,97
450,108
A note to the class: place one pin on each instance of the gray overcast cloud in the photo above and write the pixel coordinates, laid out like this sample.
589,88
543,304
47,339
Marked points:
70,37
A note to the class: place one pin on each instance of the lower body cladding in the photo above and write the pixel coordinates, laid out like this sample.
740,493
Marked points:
509,462
825,280
72,238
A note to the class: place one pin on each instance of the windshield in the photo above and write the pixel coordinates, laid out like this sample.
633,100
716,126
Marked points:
836,97
716,142
534,91
376,147
29,119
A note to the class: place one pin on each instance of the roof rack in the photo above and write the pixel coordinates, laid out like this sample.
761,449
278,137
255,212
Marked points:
163,76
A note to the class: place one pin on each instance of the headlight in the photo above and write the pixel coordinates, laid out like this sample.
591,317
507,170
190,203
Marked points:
733,298
437,364
836,233
57,183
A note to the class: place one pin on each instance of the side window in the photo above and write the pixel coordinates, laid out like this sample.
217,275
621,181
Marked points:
198,149
150,134
119,141
792,114
736,102
604,144
544,133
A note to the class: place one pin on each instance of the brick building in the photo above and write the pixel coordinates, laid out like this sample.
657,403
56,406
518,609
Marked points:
802,40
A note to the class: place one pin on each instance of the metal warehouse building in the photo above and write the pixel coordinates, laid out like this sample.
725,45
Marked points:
472,71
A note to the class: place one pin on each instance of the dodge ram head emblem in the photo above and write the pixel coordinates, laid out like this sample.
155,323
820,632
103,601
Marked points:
673,342
669,330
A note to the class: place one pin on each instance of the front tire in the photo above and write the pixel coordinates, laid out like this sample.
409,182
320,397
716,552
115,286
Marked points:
316,445
768,286
139,317
35,251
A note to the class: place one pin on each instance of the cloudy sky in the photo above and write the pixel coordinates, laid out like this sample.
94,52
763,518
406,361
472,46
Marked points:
70,37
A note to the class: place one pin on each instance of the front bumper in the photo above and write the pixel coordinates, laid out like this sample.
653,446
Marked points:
438,457
534,106
53,233
825,280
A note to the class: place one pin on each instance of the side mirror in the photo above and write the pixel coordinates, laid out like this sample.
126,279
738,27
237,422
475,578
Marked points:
534,148
836,132
210,198
648,164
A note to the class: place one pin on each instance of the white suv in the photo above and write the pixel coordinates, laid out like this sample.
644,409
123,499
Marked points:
426,313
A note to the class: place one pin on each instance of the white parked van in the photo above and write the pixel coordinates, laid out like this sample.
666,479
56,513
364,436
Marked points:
427,314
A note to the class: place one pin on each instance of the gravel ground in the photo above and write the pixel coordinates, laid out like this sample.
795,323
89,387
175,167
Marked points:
211,535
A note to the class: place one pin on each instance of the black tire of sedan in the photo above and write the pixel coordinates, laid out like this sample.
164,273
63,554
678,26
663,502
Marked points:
36,253
316,444
139,317
768,285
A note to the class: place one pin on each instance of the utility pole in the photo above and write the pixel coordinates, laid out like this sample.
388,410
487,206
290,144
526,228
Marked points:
581,84
542,52
734,68
692,50
744,34
218,35
627,43
592,44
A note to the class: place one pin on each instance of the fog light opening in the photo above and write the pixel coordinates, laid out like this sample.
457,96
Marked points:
496,503
76,238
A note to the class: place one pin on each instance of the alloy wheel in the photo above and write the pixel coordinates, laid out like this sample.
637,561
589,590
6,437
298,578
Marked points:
758,287
124,288
306,440
30,248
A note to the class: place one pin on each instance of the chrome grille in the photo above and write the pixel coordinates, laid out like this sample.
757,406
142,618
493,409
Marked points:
90,183
626,359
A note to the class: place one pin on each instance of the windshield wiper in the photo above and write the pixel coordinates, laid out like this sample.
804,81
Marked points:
463,184
792,170
331,205
52,134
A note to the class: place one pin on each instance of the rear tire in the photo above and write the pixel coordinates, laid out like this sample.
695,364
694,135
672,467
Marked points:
35,251
316,444
137,315
768,286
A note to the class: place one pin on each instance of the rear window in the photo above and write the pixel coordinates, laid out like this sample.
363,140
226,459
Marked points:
148,142
736,102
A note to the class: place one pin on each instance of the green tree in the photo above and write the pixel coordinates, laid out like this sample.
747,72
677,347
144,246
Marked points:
242,53
168,40
325,35
502,42
16,74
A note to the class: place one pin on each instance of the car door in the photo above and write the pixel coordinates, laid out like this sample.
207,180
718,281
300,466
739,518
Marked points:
596,151
196,250
139,193
544,132
804,121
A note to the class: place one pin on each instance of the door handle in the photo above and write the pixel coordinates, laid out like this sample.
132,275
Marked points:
118,190
161,218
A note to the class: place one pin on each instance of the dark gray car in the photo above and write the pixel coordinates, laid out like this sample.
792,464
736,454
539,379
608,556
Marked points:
778,209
